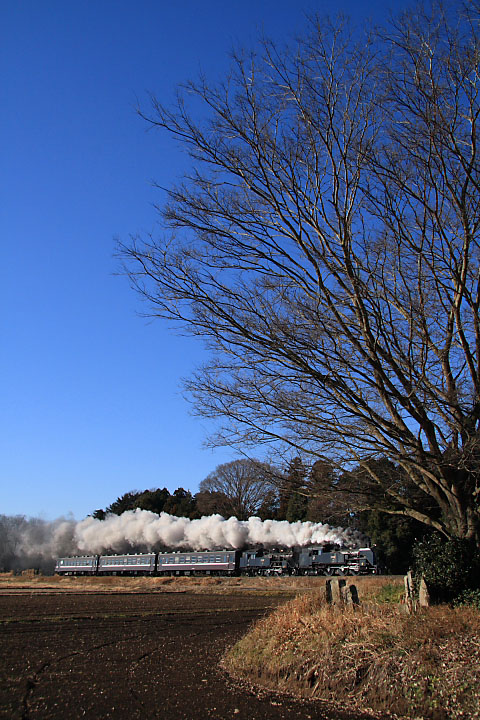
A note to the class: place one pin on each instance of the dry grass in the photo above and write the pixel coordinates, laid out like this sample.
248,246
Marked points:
421,666
289,586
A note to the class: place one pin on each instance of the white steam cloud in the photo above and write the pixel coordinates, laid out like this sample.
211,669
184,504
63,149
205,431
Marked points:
147,531
36,543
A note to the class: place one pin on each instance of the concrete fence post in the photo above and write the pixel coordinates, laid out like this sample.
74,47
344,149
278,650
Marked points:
339,594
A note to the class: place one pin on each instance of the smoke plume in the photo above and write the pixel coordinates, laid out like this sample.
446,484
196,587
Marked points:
141,529
34,543
26,543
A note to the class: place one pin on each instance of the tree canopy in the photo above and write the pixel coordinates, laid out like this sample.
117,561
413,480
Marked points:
326,246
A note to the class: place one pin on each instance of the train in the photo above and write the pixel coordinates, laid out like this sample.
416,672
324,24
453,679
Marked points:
318,560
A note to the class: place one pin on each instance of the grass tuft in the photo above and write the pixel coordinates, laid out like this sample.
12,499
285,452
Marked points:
381,659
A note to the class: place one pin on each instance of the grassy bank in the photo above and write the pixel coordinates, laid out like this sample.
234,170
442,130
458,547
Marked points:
377,659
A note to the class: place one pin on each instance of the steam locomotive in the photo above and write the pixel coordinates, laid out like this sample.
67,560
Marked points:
322,560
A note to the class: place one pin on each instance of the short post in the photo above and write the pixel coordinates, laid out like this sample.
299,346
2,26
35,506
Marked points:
338,591
352,598
423,594
328,592
410,598
339,594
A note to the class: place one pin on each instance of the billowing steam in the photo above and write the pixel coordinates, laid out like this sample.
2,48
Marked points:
36,543
144,530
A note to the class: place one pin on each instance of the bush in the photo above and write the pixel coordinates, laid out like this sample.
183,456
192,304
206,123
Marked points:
449,566
468,597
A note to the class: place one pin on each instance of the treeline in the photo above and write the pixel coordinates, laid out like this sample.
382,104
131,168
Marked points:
244,488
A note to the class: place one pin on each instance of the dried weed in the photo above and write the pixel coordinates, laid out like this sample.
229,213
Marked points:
378,659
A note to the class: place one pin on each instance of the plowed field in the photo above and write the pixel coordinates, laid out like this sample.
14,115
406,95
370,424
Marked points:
130,655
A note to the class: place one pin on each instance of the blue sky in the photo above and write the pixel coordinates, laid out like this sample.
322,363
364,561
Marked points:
91,396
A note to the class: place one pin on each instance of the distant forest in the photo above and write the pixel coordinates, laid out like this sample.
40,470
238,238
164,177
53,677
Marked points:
244,488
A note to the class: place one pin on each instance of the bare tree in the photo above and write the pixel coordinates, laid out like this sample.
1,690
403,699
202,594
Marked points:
326,246
242,486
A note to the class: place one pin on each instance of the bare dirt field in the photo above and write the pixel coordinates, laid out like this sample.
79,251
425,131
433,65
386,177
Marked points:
143,650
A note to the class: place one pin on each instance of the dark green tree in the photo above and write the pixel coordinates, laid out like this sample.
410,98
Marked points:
125,502
154,500
394,538
324,506
181,503
449,566
293,492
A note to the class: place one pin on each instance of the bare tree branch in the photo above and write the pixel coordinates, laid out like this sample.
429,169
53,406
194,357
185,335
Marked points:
326,247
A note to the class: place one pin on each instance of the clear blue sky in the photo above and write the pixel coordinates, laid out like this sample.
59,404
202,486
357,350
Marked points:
91,403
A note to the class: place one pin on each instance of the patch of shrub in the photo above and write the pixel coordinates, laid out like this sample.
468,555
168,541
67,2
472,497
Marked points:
468,597
449,566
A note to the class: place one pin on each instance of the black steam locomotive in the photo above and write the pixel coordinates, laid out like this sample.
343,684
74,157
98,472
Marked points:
322,560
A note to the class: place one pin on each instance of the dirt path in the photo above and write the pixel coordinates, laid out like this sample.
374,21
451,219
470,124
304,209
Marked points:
139,656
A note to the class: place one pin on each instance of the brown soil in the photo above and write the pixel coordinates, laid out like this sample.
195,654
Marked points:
131,655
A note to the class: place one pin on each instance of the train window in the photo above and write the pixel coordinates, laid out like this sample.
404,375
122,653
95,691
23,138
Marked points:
218,558
177,558
182,558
